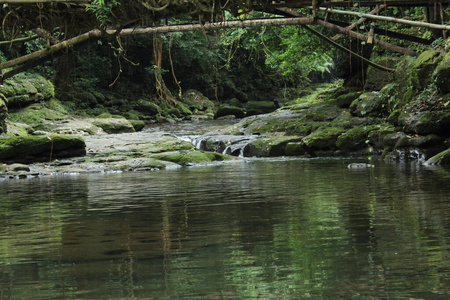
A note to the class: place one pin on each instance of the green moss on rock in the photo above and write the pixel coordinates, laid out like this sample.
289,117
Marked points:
40,148
188,157
324,138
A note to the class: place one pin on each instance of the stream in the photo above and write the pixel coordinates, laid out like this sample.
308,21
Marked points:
278,228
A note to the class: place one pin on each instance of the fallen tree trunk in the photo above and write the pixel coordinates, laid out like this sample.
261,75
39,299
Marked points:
364,38
152,30
388,19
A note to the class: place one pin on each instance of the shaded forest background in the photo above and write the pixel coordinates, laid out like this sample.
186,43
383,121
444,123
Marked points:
249,64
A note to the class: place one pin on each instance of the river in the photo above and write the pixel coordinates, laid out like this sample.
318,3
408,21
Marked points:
249,229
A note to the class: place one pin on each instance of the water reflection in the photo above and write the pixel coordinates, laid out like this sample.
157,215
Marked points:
260,229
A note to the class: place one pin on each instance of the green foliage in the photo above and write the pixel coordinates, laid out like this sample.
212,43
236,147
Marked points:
102,9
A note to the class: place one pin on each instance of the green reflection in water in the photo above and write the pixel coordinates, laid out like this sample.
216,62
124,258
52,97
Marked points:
261,229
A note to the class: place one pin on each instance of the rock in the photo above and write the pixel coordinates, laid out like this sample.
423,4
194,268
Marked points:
259,107
147,107
19,129
369,104
113,125
442,158
441,75
422,69
22,91
18,167
426,122
186,158
270,146
226,110
294,148
40,148
323,139
344,101
197,102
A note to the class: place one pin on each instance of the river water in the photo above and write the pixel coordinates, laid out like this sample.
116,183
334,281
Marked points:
250,229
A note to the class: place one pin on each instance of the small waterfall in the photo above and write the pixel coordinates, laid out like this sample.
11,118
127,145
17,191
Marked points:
226,144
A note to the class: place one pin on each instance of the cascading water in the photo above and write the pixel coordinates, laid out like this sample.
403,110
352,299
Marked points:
207,136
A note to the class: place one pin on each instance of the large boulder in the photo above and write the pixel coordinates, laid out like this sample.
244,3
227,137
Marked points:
422,69
21,91
227,110
441,75
113,125
376,79
40,148
197,103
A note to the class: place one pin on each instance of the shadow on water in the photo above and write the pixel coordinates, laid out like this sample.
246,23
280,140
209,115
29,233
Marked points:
266,229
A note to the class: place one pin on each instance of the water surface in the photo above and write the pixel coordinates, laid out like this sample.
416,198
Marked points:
259,229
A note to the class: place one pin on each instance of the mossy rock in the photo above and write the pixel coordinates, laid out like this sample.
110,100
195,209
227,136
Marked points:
175,112
114,125
355,138
22,90
226,110
184,110
345,100
40,148
322,113
323,139
147,107
370,104
18,129
259,107
197,102
420,75
269,146
189,157
442,158
426,122
37,115
441,76
138,125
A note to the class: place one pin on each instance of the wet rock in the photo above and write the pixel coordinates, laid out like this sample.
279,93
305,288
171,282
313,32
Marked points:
18,167
186,158
323,139
359,166
227,110
269,146
37,148
259,107
113,125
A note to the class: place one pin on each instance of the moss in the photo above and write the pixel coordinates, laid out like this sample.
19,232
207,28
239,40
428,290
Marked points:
324,138
355,138
114,125
184,110
35,148
441,75
423,67
322,113
345,100
226,110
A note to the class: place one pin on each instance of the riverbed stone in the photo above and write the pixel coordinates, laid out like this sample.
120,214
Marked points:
371,104
186,158
113,125
197,102
270,145
40,148
147,107
228,110
344,101
323,138
22,91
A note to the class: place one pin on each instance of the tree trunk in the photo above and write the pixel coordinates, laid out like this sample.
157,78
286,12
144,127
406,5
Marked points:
161,89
